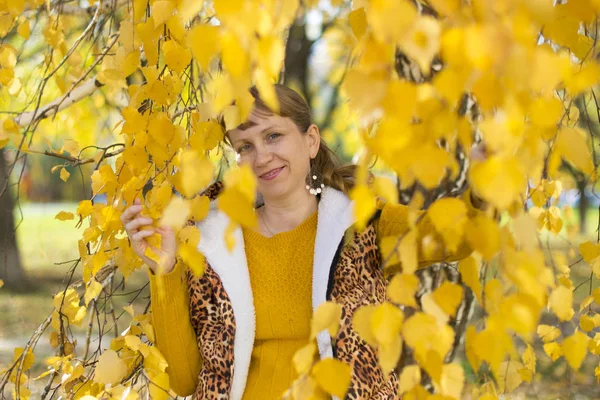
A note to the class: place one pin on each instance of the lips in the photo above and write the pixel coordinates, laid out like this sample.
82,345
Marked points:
272,173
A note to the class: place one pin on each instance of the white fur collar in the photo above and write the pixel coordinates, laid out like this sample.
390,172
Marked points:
334,217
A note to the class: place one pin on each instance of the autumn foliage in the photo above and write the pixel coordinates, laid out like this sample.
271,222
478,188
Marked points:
526,71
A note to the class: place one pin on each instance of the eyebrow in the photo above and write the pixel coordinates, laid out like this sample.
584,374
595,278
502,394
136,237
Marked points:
250,124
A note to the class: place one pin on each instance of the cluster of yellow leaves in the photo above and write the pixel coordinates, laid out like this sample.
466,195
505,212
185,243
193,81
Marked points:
132,349
527,129
326,377
18,376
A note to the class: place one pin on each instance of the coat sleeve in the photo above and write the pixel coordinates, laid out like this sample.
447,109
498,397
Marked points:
174,334
394,222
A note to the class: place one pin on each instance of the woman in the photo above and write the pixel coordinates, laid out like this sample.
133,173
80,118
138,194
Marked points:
231,333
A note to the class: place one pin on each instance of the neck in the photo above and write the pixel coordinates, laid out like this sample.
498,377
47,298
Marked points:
284,214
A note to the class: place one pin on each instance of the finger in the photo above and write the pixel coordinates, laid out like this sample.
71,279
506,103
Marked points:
133,225
142,234
130,213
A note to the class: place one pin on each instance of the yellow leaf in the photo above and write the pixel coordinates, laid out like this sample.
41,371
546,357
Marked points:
385,188
402,289
93,290
266,89
422,41
110,369
589,251
304,358
587,323
176,27
129,310
159,386
238,211
470,352
452,380
358,22
429,164
1,283
64,216
177,57
188,9
162,11
409,378
190,235
560,302
23,29
6,22
386,323
529,358
176,213
196,172
364,91
574,348
423,333
361,321
596,295
449,216
483,235
469,273
133,342
408,252
448,296
203,40
154,360
553,350
508,376
333,376
29,357
390,19
64,174
271,53
548,333
327,316
571,144
199,208
71,146
207,134
498,180
389,354
364,205
192,258
70,306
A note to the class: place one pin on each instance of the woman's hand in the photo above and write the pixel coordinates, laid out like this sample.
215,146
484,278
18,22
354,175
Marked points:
132,221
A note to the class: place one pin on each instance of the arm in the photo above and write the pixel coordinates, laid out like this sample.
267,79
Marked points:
173,329
394,222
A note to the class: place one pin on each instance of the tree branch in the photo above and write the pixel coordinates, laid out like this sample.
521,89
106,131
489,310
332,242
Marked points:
65,101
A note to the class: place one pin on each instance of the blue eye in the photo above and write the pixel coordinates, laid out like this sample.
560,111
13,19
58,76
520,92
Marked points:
274,135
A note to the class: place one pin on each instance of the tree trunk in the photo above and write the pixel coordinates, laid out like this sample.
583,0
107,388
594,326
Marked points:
11,269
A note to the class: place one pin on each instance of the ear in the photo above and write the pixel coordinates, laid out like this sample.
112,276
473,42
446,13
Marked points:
314,140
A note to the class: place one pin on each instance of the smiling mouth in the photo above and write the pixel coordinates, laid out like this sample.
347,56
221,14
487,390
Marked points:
272,173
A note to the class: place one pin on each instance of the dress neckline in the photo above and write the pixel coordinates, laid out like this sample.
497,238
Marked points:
300,229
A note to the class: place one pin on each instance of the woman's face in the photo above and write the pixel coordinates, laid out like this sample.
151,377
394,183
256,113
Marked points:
276,150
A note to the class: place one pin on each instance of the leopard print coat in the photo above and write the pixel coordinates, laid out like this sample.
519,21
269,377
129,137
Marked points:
346,270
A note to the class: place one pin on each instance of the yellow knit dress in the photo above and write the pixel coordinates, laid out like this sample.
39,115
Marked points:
280,270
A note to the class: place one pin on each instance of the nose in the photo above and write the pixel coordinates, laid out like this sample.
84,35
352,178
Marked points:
263,156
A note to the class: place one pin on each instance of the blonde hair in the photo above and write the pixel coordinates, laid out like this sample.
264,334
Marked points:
326,162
